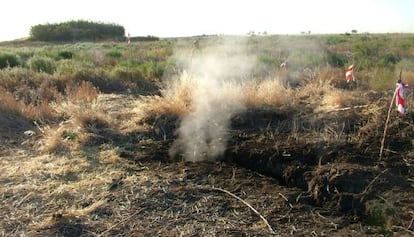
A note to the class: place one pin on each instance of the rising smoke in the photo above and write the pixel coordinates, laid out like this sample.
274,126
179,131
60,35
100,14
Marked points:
218,73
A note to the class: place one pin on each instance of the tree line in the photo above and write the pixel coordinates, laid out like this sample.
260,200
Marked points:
77,31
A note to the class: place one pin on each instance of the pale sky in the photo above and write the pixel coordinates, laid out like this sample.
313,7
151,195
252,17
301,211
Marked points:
174,18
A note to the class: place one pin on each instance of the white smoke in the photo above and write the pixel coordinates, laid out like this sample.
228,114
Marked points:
219,73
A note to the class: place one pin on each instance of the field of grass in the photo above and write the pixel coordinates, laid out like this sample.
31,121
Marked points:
163,138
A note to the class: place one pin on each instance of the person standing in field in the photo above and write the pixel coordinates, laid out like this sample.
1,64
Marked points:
399,97
283,66
196,48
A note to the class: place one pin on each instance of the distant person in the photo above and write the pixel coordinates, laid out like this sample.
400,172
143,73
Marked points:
196,48
196,44
399,97
283,66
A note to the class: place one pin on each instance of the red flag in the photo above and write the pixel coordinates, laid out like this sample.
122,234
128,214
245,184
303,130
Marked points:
129,39
399,98
349,74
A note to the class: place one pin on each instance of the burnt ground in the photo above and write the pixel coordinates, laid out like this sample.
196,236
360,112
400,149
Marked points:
282,174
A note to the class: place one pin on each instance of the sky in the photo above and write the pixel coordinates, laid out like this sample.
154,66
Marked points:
178,18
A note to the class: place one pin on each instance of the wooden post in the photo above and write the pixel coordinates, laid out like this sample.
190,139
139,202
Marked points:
386,121
386,124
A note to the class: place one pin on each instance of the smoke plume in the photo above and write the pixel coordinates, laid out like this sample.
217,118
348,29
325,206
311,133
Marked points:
218,73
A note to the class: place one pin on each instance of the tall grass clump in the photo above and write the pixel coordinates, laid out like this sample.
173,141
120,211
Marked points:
114,54
336,60
75,71
9,60
111,59
12,78
337,98
126,72
406,67
159,53
381,79
82,122
151,70
269,92
12,118
176,98
17,116
148,70
9,105
42,64
72,67
83,92
65,54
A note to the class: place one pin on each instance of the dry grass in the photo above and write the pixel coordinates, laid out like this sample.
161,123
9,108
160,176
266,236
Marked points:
333,76
100,172
9,103
92,191
39,111
55,190
408,77
269,92
176,99
335,98
84,92
81,120
84,125
17,117
319,95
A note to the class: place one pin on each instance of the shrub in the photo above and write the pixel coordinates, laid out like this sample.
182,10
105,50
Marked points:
113,54
336,60
70,67
13,78
42,64
151,70
9,60
389,60
65,55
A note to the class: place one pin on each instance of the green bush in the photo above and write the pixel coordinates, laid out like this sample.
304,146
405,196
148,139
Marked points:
389,60
69,67
336,60
113,54
150,69
9,60
65,55
364,49
42,64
